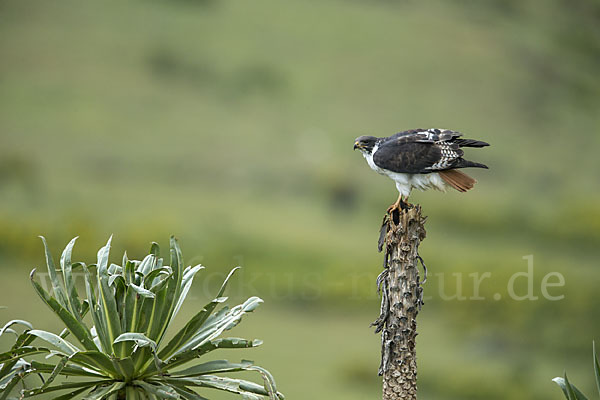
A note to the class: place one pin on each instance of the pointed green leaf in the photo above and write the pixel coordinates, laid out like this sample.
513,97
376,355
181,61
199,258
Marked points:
171,294
176,262
139,338
596,366
79,330
570,391
65,386
97,361
9,330
115,269
219,323
224,285
15,322
155,249
144,310
159,314
15,354
218,366
55,340
129,273
67,270
186,283
68,370
268,380
159,284
141,291
56,286
130,311
213,367
223,343
146,265
166,297
252,304
189,330
97,314
569,388
116,277
149,279
108,305
192,327
238,386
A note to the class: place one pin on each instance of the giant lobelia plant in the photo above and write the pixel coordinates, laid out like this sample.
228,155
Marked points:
114,343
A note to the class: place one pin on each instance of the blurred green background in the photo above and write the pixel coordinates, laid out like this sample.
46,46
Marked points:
230,124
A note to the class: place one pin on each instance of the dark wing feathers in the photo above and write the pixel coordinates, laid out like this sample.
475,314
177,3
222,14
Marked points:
409,157
470,143
424,151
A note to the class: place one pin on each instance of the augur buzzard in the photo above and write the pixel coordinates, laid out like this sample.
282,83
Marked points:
420,158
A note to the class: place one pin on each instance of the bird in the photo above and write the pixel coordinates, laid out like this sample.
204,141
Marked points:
420,158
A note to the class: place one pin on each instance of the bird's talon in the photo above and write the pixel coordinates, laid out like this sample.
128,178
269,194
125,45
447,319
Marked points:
393,207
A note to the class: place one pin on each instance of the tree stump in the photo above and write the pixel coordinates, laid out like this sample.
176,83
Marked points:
401,299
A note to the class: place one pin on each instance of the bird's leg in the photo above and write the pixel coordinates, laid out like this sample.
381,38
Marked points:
397,205
400,204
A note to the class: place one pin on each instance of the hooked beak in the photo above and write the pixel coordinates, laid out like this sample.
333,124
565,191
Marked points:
356,145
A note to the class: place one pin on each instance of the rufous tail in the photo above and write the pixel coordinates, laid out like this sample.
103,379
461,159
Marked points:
458,180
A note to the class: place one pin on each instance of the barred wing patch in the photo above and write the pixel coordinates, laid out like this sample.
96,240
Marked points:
450,154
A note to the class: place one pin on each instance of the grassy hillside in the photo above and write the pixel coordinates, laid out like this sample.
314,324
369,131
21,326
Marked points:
231,124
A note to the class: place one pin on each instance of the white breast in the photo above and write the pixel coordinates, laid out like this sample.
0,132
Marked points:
369,158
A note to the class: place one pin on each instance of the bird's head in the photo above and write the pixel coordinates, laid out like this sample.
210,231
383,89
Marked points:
365,143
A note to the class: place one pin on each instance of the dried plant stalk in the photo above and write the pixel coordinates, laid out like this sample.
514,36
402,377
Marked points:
401,299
